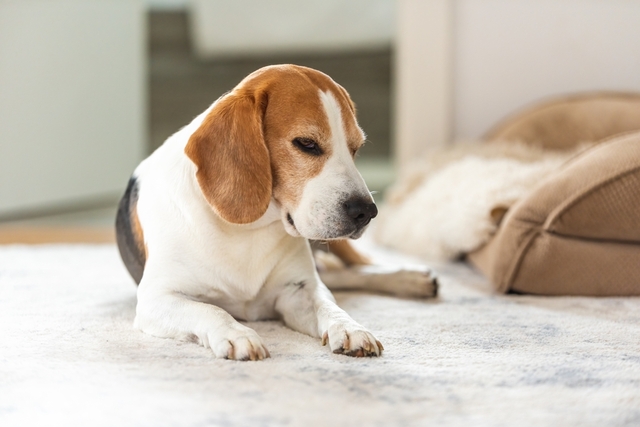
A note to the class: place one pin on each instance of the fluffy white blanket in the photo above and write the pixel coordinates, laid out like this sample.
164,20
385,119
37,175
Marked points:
69,357
441,207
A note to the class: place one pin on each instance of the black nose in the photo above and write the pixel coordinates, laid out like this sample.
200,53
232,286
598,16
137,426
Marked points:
361,211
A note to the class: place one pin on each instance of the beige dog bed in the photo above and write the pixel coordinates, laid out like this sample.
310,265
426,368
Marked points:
578,231
573,220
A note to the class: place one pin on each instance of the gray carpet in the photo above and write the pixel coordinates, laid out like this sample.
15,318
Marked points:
69,357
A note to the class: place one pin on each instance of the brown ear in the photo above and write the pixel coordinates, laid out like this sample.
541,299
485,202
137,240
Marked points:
352,104
233,164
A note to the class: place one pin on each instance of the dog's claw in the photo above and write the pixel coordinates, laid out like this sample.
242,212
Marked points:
436,286
231,352
240,344
354,342
415,282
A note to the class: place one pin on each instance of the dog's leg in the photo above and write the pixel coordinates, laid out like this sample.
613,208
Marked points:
168,314
349,255
411,282
310,308
354,271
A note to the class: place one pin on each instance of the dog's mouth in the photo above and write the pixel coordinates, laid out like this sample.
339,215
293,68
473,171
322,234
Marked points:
290,221
294,231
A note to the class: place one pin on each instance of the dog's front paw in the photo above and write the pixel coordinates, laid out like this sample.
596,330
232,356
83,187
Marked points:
419,282
238,343
352,340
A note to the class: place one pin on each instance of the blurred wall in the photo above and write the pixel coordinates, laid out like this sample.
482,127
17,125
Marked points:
462,65
72,100
166,4
259,28
510,53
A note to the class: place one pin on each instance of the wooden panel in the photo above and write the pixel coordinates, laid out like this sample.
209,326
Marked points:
423,83
48,234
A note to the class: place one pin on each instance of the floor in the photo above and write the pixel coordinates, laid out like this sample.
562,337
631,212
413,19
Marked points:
71,357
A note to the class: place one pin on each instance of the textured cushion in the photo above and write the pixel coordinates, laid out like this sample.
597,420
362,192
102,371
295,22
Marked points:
563,123
578,232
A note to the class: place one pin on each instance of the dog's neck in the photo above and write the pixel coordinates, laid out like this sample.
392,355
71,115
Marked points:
272,215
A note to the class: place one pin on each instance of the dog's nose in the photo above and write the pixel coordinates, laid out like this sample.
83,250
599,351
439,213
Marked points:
361,211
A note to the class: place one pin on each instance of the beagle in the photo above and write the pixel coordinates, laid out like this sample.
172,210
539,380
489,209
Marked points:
214,226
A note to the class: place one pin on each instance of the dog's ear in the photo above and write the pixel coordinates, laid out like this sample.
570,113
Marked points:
232,159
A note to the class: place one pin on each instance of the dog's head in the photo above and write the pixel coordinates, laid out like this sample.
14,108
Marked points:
290,134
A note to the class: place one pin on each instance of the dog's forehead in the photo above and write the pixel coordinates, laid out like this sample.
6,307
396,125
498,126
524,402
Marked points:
295,95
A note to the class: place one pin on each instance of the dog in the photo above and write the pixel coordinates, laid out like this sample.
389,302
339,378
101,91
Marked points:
215,225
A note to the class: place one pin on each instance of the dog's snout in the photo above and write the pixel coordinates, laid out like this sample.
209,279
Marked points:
361,211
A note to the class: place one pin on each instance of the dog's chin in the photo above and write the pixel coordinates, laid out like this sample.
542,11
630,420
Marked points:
358,233
347,234
336,232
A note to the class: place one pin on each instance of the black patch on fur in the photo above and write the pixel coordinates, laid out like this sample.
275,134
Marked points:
131,250
301,284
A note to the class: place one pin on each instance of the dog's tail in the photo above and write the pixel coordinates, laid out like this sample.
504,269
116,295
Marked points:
129,232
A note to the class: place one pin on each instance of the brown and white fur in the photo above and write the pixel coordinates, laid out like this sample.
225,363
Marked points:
214,225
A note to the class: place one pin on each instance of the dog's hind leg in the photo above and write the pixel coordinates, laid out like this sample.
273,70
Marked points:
337,254
342,267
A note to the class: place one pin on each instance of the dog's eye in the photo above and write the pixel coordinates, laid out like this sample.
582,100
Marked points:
308,145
